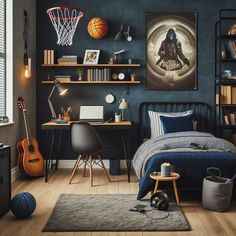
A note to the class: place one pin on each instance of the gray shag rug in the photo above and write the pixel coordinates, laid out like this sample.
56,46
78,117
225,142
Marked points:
75,213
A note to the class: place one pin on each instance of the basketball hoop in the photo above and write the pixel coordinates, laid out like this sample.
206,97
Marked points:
65,21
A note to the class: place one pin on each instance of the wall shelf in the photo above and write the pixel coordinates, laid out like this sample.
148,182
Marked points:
94,82
92,65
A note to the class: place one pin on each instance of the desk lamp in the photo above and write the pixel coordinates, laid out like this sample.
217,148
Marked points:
61,91
114,55
123,104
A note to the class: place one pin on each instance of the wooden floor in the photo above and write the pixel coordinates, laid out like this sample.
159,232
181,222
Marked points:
202,222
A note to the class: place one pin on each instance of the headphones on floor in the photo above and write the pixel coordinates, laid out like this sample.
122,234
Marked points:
159,200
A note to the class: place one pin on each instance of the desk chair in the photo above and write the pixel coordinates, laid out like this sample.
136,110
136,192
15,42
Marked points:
85,141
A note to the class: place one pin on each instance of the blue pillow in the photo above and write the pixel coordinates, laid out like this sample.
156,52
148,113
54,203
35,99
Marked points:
177,124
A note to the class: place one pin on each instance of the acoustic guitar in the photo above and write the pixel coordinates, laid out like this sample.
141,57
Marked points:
30,160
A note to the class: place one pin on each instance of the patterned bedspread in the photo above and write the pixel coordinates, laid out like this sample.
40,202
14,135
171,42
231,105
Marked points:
191,163
178,142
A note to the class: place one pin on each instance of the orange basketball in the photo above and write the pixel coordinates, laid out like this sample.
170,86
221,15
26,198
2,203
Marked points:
97,28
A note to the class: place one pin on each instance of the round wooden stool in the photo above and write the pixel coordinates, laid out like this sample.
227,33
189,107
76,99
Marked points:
173,178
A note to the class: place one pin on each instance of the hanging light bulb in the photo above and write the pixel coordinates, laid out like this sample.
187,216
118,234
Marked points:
27,61
28,69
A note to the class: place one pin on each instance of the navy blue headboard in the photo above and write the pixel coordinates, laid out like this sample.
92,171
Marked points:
202,114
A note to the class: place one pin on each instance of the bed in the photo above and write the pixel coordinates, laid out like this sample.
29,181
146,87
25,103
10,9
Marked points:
191,163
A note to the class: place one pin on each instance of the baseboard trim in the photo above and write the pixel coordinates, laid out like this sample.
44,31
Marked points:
68,164
15,173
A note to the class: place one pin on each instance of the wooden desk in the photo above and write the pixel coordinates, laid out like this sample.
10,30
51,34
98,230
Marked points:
56,130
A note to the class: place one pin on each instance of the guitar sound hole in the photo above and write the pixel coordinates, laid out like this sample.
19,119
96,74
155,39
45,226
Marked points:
34,160
31,148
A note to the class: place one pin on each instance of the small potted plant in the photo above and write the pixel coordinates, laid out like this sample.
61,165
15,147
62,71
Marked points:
80,73
133,77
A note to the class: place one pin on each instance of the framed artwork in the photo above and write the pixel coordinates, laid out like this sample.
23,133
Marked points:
171,51
91,56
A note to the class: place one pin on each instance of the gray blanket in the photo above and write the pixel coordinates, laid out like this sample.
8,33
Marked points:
178,142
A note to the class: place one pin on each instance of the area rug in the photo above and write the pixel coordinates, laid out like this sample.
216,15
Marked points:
75,213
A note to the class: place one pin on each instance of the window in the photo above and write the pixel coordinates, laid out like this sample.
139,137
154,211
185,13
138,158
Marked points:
2,58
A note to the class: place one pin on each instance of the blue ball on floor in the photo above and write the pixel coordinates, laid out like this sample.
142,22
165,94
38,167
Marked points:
23,205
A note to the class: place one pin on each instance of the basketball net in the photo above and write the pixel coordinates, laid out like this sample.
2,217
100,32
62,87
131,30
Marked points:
65,21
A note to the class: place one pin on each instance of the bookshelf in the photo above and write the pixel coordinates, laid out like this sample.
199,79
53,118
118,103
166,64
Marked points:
92,65
93,82
95,73
225,87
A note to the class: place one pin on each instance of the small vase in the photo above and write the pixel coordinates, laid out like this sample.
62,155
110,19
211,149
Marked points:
80,77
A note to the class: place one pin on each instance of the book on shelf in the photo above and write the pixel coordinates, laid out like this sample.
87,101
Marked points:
67,60
98,75
226,118
228,94
217,99
61,78
230,118
48,57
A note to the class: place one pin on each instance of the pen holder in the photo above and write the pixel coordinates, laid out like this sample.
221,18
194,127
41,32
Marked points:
66,116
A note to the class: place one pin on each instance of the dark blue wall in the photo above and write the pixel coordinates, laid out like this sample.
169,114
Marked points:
129,12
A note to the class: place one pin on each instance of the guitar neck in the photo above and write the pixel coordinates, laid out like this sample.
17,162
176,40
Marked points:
27,127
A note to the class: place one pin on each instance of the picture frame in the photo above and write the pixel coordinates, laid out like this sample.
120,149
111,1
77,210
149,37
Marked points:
171,65
91,56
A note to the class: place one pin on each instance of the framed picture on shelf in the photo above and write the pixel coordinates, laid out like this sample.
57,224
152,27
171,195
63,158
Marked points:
171,51
91,56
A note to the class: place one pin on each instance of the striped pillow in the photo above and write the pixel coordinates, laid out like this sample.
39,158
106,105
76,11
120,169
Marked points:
156,124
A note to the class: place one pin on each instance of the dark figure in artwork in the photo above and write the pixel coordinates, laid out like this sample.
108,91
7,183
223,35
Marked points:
171,54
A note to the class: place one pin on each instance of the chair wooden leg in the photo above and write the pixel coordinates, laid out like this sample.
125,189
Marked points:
85,163
75,168
104,169
91,170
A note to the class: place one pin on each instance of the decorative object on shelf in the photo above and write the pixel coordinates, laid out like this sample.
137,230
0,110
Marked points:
223,54
113,58
122,35
91,56
171,55
121,76
109,98
114,76
23,205
226,73
27,61
133,77
97,28
230,47
48,57
80,73
68,60
123,104
130,61
65,21
61,91
232,30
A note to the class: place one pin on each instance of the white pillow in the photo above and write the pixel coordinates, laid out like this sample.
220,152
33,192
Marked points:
156,124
